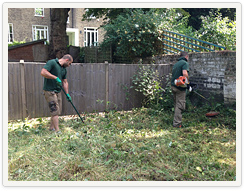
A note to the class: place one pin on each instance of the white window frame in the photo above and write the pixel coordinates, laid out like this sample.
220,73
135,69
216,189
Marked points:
34,32
68,17
37,15
76,32
90,31
9,34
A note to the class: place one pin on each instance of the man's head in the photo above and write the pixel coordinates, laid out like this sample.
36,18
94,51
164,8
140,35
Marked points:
184,54
66,60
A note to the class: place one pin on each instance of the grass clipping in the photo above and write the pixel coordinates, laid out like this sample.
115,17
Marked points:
140,145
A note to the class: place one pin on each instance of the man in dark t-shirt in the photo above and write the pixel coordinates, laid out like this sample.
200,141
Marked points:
181,68
54,73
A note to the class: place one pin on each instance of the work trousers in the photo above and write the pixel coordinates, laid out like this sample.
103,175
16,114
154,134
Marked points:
179,103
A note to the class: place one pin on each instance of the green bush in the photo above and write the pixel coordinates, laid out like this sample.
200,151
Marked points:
156,90
133,34
218,30
15,43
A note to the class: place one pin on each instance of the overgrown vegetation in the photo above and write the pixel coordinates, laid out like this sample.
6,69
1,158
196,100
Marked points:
134,32
156,90
15,43
218,30
138,145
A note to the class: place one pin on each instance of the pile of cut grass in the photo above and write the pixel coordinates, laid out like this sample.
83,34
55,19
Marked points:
138,145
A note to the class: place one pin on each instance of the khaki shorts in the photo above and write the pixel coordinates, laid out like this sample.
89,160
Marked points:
54,101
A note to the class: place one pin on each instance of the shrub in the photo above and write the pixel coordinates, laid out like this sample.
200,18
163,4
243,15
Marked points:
16,43
134,34
155,89
218,30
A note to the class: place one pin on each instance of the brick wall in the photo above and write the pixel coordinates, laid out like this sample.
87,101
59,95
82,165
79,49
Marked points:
24,19
214,72
29,52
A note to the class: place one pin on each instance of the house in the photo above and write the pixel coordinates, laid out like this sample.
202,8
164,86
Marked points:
27,24
32,24
83,33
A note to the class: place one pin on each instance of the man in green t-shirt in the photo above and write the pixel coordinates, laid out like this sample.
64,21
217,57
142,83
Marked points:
54,73
181,68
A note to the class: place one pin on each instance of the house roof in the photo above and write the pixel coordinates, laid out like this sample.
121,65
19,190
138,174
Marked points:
26,44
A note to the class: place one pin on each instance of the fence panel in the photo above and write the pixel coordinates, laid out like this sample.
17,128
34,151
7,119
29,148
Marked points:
120,94
120,81
35,100
86,86
15,106
91,87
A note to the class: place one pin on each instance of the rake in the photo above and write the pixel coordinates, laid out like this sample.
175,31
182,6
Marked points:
72,105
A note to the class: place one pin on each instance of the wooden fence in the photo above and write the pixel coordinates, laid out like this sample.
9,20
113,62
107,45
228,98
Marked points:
96,54
93,88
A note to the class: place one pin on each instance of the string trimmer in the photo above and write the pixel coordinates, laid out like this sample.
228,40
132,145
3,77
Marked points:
72,104
211,113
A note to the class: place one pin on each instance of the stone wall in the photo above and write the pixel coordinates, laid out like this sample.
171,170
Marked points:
214,72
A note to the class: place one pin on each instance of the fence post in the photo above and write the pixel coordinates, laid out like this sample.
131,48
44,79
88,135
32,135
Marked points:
106,84
23,92
96,53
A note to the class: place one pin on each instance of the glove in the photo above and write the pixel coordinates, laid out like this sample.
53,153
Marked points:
189,87
58,81
68,98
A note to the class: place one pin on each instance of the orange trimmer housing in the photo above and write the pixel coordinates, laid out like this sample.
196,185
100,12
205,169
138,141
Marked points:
181,81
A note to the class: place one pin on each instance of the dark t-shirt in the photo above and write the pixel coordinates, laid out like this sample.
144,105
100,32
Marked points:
182,64
56,69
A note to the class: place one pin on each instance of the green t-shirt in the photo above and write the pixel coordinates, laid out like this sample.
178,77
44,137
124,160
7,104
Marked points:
182,64
56,69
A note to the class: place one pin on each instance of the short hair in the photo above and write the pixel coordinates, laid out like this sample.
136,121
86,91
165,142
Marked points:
183,54
68,56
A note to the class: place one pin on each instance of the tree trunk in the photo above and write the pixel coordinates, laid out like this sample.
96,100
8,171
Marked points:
58,37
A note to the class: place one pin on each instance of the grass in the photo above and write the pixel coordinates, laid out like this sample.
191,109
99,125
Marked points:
137,145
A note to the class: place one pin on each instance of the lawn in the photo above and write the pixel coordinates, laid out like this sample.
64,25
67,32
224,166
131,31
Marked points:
136,145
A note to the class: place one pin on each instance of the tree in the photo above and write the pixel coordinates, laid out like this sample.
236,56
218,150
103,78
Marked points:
175,20
195,20
58,36
108,14
134,34
219,30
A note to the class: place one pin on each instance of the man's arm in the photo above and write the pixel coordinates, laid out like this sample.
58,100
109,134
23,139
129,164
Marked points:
46,74
65,85
185,73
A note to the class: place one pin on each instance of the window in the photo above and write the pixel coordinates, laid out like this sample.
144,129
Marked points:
10,33
39,12
40,32
68,17
90,36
